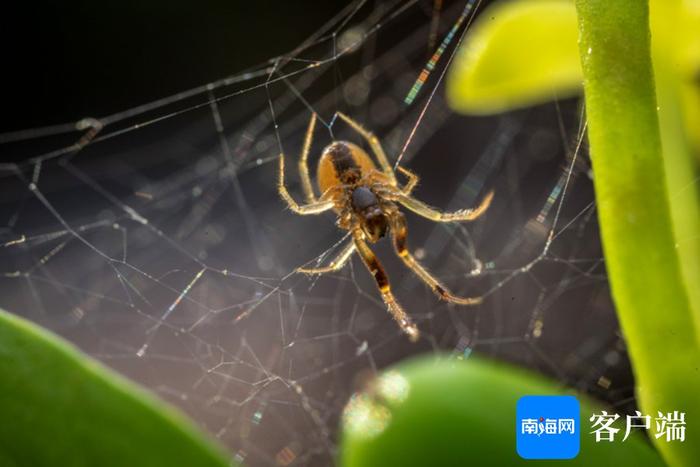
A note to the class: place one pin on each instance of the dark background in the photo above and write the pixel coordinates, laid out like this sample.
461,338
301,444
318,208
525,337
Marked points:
65,60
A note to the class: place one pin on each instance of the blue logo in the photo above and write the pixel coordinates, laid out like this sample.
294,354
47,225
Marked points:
548,427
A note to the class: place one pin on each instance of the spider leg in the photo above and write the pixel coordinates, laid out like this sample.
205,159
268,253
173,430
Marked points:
375,268
436,215
374,143
303,162
399,233
312,208
337,263
412,180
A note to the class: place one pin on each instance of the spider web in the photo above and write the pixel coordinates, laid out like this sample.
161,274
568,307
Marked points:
155,240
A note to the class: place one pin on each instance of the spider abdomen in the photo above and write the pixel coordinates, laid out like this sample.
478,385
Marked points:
342,163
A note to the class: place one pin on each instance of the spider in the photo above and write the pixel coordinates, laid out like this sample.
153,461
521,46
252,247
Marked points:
366,201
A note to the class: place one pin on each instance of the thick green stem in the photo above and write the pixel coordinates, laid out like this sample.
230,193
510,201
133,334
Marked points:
634,211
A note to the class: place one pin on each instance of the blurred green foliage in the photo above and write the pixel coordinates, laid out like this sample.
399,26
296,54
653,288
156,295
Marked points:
450,412
516,54
61,408
642,124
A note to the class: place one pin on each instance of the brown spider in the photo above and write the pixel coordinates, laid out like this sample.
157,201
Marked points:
365,200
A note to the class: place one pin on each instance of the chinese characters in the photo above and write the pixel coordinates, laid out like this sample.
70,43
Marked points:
548,426
670,425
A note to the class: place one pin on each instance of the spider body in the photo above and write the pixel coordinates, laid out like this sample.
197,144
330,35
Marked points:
367,207
346,173
366,200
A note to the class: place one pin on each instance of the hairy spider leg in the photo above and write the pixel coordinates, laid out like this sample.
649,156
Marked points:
374,143
412,180
303,162
420,208
375,268
337,263
315,207
400,233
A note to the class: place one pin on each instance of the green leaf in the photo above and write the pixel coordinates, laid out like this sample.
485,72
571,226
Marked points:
61,408
516,54
461,412
641,254
679,28
672,48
